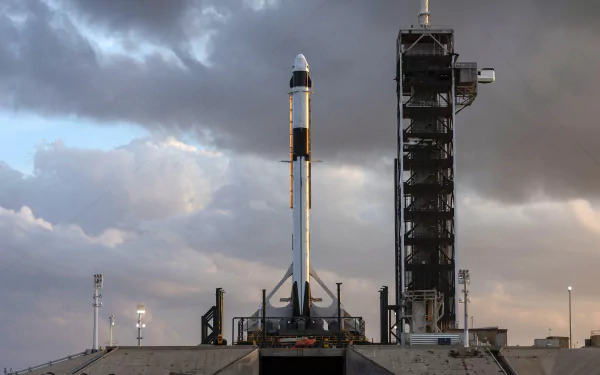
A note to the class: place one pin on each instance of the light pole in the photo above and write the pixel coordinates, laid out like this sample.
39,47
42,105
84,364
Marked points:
98,282
111,319
570,331
339,316
465,279
141,310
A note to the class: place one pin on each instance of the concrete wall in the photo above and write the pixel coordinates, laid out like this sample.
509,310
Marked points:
553,361
368,360
427,360
167,360
531,361
67,366
357,364
495,336
563,341
501,339
247,365
545,343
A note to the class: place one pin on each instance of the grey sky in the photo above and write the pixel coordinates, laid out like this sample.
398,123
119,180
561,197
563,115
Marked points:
176,223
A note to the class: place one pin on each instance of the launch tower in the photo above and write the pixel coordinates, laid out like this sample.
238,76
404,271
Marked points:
432,87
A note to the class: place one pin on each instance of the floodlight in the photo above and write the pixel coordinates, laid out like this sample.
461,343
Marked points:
569,288
98,279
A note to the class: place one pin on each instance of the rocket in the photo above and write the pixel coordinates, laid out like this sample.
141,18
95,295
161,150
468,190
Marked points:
300,186
304,313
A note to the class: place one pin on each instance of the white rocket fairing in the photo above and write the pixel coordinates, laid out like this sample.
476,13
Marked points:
301,87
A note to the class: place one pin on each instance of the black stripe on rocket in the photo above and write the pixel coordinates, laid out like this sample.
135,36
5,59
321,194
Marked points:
300,79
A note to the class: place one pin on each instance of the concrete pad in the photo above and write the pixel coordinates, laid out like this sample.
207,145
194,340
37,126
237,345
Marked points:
166,360
427,360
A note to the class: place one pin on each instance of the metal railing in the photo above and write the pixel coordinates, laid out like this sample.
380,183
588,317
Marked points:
355,333
50,363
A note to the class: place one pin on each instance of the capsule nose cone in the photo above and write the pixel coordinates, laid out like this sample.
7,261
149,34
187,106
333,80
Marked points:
300,64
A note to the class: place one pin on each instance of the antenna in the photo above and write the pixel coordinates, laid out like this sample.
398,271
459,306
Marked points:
424,14
98,282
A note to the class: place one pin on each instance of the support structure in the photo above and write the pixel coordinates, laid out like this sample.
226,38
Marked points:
264,315
384,323
465,279
432,87
424,310
98,283
141,310
212,321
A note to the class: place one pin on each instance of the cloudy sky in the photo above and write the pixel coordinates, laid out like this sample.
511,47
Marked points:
141,139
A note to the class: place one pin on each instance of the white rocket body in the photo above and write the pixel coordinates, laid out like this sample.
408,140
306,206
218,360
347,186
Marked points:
300,189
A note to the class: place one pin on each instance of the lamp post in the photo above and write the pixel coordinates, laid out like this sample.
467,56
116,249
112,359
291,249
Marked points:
98,282
570,331
112,324
141,310
339,316
465,279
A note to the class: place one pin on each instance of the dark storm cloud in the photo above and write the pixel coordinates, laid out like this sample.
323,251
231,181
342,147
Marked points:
156,18
510,145
578,14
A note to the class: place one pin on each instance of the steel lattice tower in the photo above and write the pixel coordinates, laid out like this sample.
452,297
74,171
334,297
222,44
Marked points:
431,88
